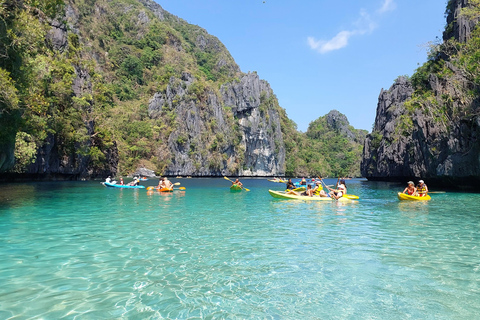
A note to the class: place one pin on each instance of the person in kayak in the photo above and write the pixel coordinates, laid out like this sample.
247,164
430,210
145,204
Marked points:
160,183
237,182
422,189
167,183
303,182
290,185
342,183
134,182
307,193
339,192
410,189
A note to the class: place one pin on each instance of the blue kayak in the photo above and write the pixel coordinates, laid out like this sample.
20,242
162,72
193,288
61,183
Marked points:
107,184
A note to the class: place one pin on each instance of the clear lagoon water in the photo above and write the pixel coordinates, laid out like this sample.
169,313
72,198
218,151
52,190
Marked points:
78,250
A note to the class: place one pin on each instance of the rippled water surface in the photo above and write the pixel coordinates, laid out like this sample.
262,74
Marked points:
79,250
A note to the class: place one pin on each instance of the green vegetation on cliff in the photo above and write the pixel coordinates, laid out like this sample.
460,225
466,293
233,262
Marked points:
330,147
447,86
77,79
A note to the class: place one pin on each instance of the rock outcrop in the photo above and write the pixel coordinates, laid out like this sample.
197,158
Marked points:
459,26
429,126
231,132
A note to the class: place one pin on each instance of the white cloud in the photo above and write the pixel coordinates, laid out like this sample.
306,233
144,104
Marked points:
365,24
338,42
388,5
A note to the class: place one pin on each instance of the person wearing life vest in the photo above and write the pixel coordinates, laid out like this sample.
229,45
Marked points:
422,189
410,189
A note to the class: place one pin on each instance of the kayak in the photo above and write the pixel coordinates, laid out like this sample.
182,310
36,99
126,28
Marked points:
298,189
124,186
160,189
284,195
277,180
403,196
235,187
143,179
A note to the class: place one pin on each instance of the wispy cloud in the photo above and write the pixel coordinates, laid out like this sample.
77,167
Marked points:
364,24
388,5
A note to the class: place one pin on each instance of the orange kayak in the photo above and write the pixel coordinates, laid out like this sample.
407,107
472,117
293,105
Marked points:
165,189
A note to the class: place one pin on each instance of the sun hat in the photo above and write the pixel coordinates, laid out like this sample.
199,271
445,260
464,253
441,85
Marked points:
411,182
317,183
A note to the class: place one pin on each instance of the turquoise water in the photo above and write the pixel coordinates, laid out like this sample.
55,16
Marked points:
77,250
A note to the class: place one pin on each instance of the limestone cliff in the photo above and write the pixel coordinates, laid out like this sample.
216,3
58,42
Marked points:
230,132
121,84
428,126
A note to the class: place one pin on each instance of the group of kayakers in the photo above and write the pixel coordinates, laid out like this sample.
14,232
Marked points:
420,190
315,188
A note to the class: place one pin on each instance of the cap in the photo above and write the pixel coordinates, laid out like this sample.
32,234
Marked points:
317,183
420,181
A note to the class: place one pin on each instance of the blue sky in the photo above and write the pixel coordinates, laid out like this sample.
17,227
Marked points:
322,55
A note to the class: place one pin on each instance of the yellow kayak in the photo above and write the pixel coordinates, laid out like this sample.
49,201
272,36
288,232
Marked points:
403,196
284,195
277,180
235,187
298,189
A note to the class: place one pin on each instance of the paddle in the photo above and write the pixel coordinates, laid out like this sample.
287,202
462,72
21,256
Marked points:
234,182
436,192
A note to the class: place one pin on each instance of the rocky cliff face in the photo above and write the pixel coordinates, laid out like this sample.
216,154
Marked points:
428,126
230,132
459,26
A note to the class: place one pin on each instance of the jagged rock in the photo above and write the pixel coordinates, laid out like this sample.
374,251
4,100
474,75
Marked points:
57,35
339,122
437,140
442,153
460,26
260,150
155,8
144,172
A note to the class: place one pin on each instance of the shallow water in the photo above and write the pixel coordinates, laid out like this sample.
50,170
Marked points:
79,250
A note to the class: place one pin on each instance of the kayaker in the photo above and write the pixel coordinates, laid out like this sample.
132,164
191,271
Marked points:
422,189
167,183
108,180
307,193
338,193
161,183
134,182
121,181
290,185
237,182
317,188
410,189
342,183
303,182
